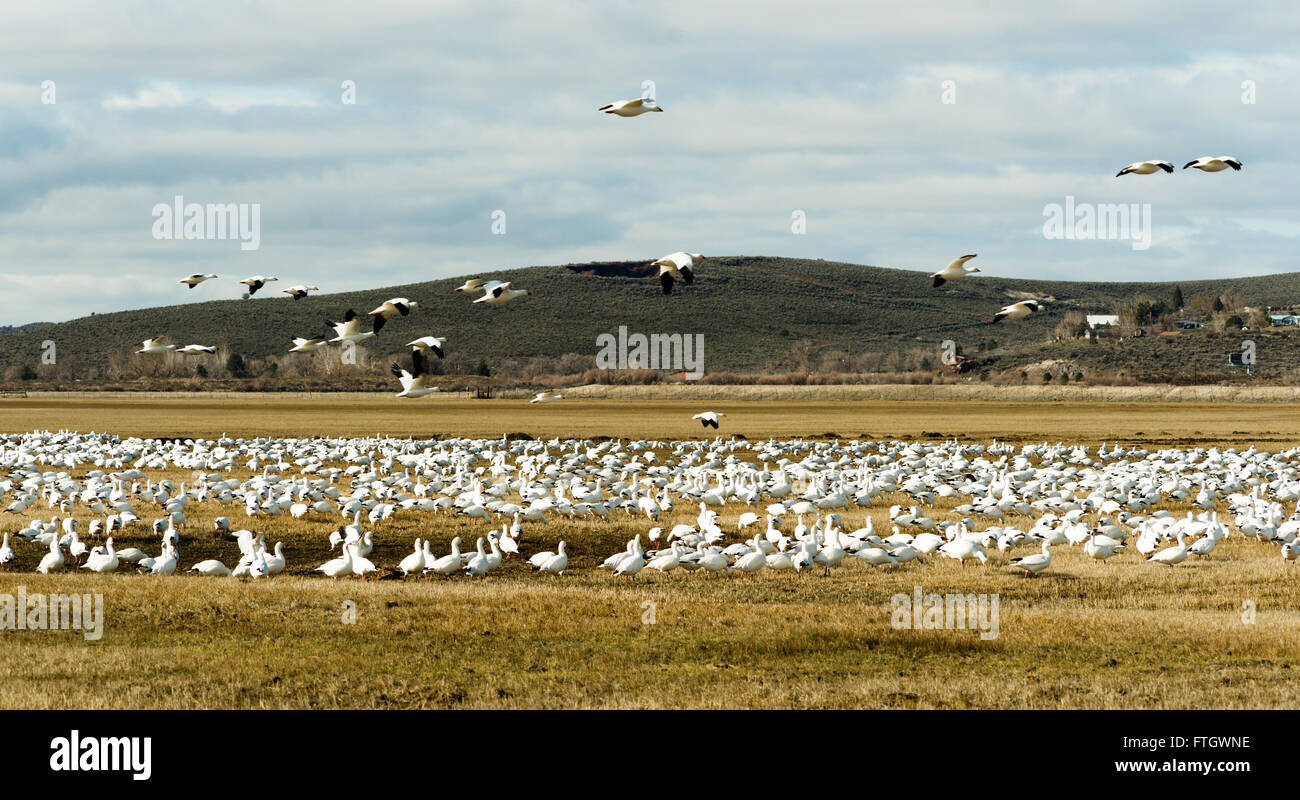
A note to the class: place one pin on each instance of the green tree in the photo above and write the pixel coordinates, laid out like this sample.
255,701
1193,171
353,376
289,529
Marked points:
201,371
482,369
1218,304
28,373
1177,301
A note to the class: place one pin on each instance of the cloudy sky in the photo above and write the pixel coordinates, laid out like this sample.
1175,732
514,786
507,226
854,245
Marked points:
840,111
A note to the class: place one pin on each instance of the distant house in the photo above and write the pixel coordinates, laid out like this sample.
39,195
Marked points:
1103,320
1283,319
1189,324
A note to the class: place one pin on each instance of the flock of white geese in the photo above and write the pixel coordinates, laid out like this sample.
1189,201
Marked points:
764,506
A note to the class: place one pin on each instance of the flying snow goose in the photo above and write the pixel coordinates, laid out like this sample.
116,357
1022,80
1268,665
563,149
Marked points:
257,282
955,269
1017,310
413,382
299,291
676,266
546,397
301,345
1146,168
1214,163
472,285
158,344
391,308
631,108
428,344
196,279
709,419
196,349
498,293
349,330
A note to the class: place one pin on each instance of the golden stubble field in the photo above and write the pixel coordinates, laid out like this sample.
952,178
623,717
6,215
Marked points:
1084,635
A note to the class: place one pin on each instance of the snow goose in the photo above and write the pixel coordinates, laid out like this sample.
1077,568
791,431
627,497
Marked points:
1145,168
391,308
471,285
709,419
106,562
667,562
275,564
299,291
301,345
212,568
1036,563
557,563
1214,163
1290,551
448,564
498,293
196,349
1101,550
478,565
7,552
962,549
360,564
256,282
631,108
546,397
415,561
753,561
1017,310
633,562
413,382
349,330
955,269
195,279
158,344
428,344
337,567
1172,555
676,266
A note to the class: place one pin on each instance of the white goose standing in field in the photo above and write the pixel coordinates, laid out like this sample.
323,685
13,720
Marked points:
6,552
676,266
415,561
194,280
1036,563
498,293
1145,168
349,330
339,567
556,564
257,282
107,562
1214,163
955,269
1099,550
631,108
299,291
1172,555
447,565
391,308
1017,310
212,568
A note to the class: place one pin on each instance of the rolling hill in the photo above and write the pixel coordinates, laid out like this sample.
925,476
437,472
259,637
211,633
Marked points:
755,313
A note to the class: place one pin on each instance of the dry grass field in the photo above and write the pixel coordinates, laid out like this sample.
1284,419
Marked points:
1083,635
